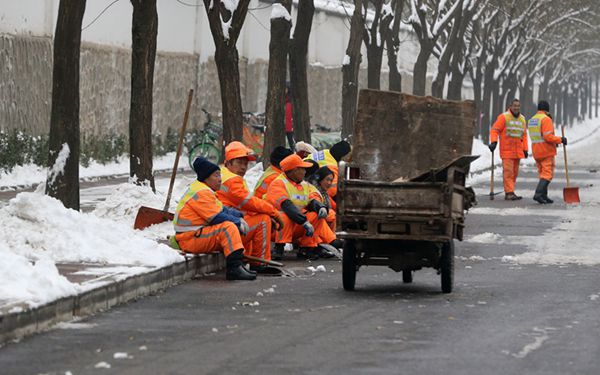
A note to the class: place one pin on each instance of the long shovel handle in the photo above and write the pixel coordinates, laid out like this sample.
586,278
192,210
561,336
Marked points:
562,128
179,146
492,179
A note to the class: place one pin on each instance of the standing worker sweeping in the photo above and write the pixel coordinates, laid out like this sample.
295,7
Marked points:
543,147
510,127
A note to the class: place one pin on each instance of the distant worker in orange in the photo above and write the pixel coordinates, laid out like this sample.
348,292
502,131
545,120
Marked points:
203,225
277,155
304,218
543,147
511,128
257,212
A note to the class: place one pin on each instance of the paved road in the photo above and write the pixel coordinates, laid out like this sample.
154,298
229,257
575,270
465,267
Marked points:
502,319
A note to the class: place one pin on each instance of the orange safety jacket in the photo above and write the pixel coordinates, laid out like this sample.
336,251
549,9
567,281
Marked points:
265,180
282,189
196,209
234,193
512,132
541,133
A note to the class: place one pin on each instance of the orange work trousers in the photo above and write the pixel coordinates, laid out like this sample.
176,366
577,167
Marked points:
546,167
257,242
295,233
510,171
331,219
223,237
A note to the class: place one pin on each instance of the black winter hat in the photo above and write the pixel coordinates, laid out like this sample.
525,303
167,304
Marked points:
339,150
544,106
204,168
322,173
312,169
278,154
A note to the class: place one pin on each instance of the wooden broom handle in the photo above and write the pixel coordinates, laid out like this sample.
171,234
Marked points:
179,146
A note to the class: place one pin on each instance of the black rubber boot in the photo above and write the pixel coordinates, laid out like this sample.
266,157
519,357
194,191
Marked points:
235,267
266,270
539,192
545,195
337,243
277,252
310,253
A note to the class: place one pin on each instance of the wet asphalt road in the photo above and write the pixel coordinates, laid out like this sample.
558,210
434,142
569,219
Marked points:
502,318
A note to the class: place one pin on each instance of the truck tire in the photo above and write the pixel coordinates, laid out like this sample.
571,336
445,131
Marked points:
349,265
447,266
407,276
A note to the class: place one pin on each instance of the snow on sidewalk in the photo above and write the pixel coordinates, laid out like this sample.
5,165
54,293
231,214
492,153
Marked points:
38,234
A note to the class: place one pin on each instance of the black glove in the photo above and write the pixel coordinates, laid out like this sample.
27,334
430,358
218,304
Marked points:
492,146
564,141
526,154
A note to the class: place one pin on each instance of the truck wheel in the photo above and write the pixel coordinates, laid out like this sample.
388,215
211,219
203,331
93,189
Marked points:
407,276
447,266
349,265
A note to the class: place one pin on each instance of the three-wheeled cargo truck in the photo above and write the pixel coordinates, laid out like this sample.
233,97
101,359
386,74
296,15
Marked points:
401,201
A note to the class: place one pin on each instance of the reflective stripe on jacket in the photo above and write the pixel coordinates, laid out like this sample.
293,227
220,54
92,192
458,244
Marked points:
196,208
541,132
282,189
512,134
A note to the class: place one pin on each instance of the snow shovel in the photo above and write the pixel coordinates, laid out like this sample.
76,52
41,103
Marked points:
570,193
148,216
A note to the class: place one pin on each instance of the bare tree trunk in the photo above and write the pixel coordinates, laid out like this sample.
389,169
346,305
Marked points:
298,69
590,97
420,69
278,51
597,100
453,46
350,70
63,153
227,61
374,37
144,30
392,42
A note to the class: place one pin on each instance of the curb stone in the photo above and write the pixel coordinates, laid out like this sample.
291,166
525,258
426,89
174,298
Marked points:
34,320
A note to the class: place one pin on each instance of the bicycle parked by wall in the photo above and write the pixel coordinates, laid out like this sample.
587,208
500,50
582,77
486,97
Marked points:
210,139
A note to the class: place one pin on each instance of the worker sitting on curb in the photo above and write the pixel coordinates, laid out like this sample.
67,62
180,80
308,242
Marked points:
203,225
322,180
257,212
511,128
304,219
330,158
277,155
543,147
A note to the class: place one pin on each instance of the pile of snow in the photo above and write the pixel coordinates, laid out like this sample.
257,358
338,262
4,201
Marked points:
37,231
486,238
31,174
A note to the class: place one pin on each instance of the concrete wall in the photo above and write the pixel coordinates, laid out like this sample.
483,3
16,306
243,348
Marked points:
184,61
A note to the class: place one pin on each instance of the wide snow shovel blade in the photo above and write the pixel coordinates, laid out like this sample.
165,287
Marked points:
147,216
570,193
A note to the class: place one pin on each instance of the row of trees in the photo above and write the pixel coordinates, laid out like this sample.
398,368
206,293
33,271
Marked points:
505,48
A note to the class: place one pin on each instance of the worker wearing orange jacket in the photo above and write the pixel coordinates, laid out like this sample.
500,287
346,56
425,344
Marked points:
330,158
511,128
203,225
543,147
303,218
277,155
257,212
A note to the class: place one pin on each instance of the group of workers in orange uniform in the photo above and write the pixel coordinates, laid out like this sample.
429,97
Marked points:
293,202
511,129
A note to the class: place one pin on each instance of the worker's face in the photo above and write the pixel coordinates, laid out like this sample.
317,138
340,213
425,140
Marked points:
238,166
296,174
214,180
515,107
326,182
